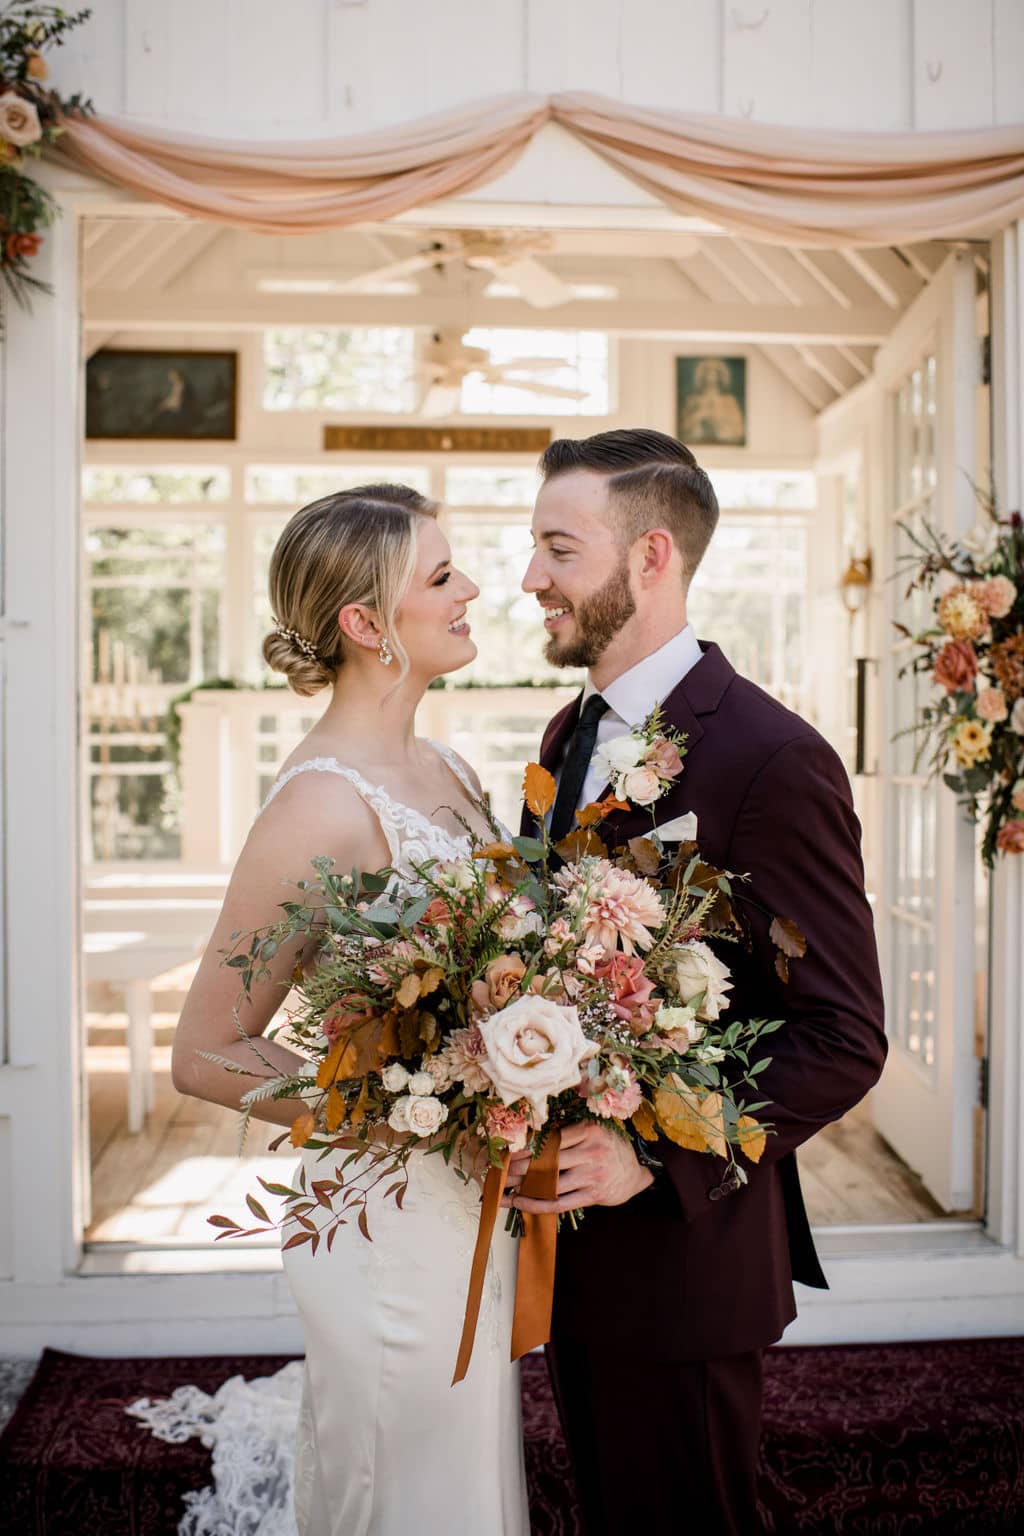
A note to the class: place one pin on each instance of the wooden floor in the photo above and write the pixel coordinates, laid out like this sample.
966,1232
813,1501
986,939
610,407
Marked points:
160,1186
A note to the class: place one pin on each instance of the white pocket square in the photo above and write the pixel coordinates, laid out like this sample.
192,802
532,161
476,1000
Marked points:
681,829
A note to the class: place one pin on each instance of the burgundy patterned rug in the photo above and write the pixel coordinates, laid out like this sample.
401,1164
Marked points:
870,1440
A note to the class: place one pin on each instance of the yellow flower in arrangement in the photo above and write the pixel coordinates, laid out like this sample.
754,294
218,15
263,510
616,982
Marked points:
971,741
962,615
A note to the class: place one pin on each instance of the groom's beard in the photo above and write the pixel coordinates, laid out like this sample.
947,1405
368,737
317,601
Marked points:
598,619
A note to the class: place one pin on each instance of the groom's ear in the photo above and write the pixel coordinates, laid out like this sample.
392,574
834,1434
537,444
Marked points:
360,625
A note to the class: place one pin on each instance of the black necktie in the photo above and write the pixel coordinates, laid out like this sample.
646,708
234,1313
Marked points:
574,766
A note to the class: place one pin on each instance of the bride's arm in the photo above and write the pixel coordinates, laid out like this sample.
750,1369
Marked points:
314,814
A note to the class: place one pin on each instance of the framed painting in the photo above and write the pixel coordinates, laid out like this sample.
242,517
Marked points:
711,401
184,395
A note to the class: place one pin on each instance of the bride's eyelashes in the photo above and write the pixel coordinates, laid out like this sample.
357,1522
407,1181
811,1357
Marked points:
445,575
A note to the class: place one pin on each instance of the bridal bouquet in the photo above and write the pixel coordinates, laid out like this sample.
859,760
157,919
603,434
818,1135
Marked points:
474,1010
973,651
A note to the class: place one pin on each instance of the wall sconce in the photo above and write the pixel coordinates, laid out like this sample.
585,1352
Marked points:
855,583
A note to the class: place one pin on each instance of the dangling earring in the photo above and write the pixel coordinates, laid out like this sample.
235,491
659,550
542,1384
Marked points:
384,651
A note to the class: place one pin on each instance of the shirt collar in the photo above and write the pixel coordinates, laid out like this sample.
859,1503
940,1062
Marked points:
634,694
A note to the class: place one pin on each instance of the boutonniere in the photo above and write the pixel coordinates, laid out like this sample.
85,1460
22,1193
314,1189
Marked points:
643,766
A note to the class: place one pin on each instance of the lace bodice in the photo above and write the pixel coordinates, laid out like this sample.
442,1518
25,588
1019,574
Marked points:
412,838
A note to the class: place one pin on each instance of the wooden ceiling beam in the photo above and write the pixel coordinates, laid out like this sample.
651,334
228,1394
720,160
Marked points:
221,310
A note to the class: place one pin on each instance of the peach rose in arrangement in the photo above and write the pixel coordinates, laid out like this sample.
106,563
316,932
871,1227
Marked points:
503,976
533,1049
997,596
991,705
19,120
1017,798
1010,838
956,666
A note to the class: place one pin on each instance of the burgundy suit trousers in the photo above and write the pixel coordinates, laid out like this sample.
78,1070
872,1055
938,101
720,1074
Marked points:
659,1445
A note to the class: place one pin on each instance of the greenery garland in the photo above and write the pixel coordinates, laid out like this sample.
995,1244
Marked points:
974,652
30,118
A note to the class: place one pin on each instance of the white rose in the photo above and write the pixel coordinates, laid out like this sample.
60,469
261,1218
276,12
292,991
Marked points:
707,1055
618,756
670,1020
698,969
534,1048
19,120
394,1077
642,786
399,1116
1017,717
424,1115
421,1084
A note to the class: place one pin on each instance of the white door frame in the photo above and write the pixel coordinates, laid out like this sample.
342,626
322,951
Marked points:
886,1283
926,1111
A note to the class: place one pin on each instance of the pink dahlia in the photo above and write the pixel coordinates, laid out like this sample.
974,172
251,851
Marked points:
622,909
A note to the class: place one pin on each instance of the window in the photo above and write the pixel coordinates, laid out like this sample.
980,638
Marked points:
364,368
171,484
750,596
294,485
483,485
154,629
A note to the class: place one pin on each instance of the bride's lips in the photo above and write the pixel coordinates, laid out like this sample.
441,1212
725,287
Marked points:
460,628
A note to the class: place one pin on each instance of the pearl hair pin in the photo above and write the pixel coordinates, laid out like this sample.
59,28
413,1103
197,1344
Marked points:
305,646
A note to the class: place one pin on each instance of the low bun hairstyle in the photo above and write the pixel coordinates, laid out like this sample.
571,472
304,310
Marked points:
357,546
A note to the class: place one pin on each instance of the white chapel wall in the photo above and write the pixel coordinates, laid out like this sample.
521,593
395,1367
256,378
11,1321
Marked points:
260,69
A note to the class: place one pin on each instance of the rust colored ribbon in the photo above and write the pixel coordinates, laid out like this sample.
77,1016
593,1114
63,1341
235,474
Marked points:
535,1275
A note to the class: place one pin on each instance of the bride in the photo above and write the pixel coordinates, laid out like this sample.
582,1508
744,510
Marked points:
367,601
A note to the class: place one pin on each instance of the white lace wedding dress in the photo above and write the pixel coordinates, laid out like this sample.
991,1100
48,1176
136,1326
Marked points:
383,1445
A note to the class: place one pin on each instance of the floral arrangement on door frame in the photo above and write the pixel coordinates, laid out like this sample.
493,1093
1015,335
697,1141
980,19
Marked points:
973,731
31,116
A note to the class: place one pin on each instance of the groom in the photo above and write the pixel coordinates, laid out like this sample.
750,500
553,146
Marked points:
677,1280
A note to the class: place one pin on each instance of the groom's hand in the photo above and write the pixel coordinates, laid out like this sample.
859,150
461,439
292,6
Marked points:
596,1166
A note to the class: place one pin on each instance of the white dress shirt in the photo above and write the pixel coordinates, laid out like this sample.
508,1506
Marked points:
632,697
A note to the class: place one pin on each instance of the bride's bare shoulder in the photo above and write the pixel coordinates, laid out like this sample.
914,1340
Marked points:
314,813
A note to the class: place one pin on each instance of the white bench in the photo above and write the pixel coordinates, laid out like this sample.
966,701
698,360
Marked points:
131,944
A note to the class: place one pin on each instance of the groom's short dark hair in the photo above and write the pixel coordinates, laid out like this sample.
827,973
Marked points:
654,481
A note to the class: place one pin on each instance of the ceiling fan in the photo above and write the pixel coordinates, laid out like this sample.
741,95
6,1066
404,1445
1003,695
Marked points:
510,254
446,360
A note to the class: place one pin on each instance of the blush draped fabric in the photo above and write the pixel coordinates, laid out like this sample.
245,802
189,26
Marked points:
778,184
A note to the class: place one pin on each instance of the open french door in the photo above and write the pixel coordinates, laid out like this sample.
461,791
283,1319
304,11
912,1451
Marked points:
929,374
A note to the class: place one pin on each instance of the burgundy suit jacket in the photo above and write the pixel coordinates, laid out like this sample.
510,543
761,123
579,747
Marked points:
686,1268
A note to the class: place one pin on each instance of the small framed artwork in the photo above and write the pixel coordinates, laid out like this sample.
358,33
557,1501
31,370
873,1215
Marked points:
711,401
186,395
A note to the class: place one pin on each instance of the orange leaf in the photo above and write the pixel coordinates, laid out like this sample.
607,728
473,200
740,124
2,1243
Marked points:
645,1121
302,1128
591,814
431,980
538,789
409,991
752,1137
576,844
690,1118
645,855
496,851
785,935
335,1111
327,1071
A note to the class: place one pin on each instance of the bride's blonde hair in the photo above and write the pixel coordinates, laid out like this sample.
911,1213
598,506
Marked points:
357,546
